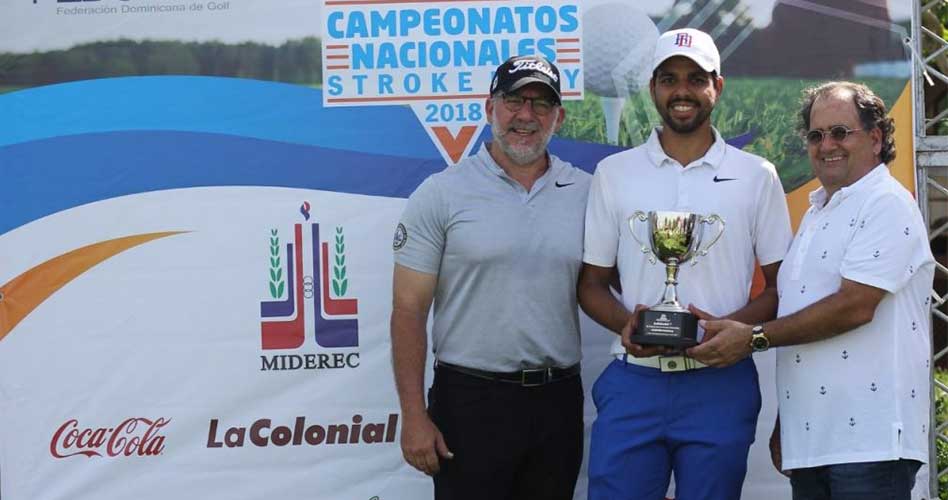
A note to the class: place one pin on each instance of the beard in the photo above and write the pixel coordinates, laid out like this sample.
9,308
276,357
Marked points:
701,116
522,154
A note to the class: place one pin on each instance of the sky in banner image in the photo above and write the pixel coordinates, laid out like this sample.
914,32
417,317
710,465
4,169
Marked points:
54,25
32,28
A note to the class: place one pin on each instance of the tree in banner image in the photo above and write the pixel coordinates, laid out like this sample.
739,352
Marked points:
935,20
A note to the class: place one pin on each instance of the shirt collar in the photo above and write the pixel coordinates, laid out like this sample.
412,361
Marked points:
876,175
483,155
712,158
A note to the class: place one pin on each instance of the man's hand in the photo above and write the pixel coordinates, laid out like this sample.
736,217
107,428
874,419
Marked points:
725,342
702,314
638,350
423,444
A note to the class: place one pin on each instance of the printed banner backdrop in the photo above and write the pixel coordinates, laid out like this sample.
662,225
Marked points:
198,200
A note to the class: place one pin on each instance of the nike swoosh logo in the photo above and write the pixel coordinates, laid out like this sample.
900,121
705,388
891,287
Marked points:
557,184
724,179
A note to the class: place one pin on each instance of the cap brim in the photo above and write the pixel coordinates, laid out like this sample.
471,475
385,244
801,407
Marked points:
705,65
527,80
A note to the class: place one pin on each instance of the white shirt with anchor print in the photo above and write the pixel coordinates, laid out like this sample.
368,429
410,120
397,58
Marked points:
863,395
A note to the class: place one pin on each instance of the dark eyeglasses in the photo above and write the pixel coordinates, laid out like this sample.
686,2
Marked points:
838,133
541,105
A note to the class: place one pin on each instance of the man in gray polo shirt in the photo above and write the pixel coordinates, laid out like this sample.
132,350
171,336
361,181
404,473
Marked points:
496,244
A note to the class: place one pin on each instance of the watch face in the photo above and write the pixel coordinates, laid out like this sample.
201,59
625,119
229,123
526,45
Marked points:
760,343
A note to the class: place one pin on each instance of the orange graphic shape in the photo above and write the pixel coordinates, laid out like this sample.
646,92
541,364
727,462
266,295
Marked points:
903,166
455,145
21,295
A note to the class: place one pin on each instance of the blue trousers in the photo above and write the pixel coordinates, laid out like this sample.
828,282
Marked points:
698,423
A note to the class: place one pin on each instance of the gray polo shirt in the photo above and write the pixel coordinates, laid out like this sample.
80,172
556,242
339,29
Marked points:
507,262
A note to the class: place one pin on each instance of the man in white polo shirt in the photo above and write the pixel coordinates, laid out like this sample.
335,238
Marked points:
495,243
658,414
853,328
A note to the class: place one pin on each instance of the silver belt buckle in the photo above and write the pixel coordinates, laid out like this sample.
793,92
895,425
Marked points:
672,363
527,377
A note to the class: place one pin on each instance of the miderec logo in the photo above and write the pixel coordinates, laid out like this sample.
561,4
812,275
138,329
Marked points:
284,319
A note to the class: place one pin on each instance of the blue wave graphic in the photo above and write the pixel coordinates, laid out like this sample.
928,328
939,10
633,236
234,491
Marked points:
50,175
83,142
47,176
233,106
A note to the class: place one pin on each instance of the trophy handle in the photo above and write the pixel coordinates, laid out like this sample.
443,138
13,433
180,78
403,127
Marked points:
643,217
710,219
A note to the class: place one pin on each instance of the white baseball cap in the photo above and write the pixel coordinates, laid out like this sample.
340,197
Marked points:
691,43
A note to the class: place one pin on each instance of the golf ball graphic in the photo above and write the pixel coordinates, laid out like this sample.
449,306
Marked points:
618,45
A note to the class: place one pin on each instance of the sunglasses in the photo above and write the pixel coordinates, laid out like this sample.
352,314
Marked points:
541,105
838,133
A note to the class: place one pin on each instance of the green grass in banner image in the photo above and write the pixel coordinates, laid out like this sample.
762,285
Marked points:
5,89
765,107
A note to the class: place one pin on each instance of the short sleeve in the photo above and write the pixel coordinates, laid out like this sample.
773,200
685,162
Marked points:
420,234
772,229
888,245
601,242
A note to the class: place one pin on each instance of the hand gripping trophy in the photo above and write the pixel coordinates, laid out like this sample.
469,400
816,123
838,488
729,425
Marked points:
674,238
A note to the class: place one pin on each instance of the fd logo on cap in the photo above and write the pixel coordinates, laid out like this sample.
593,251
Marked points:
683,40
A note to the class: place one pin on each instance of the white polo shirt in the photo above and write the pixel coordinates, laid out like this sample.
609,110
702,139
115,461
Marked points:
861,396
740,187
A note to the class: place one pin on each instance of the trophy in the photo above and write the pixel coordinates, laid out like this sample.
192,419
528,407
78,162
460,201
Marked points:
674,238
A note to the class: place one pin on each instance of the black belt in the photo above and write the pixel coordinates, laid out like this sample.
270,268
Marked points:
527,378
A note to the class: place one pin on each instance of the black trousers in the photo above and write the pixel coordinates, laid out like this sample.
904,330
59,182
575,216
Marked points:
509,442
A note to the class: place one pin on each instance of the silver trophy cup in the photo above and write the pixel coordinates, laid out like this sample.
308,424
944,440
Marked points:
673,238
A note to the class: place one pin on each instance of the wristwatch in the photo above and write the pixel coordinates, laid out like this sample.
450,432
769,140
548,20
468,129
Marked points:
759,340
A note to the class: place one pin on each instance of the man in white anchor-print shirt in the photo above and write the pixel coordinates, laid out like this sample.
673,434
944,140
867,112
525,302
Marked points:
853,321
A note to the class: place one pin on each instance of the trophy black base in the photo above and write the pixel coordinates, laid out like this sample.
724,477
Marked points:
673,329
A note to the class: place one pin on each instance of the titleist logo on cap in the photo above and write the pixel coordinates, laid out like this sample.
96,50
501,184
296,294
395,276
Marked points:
528,65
